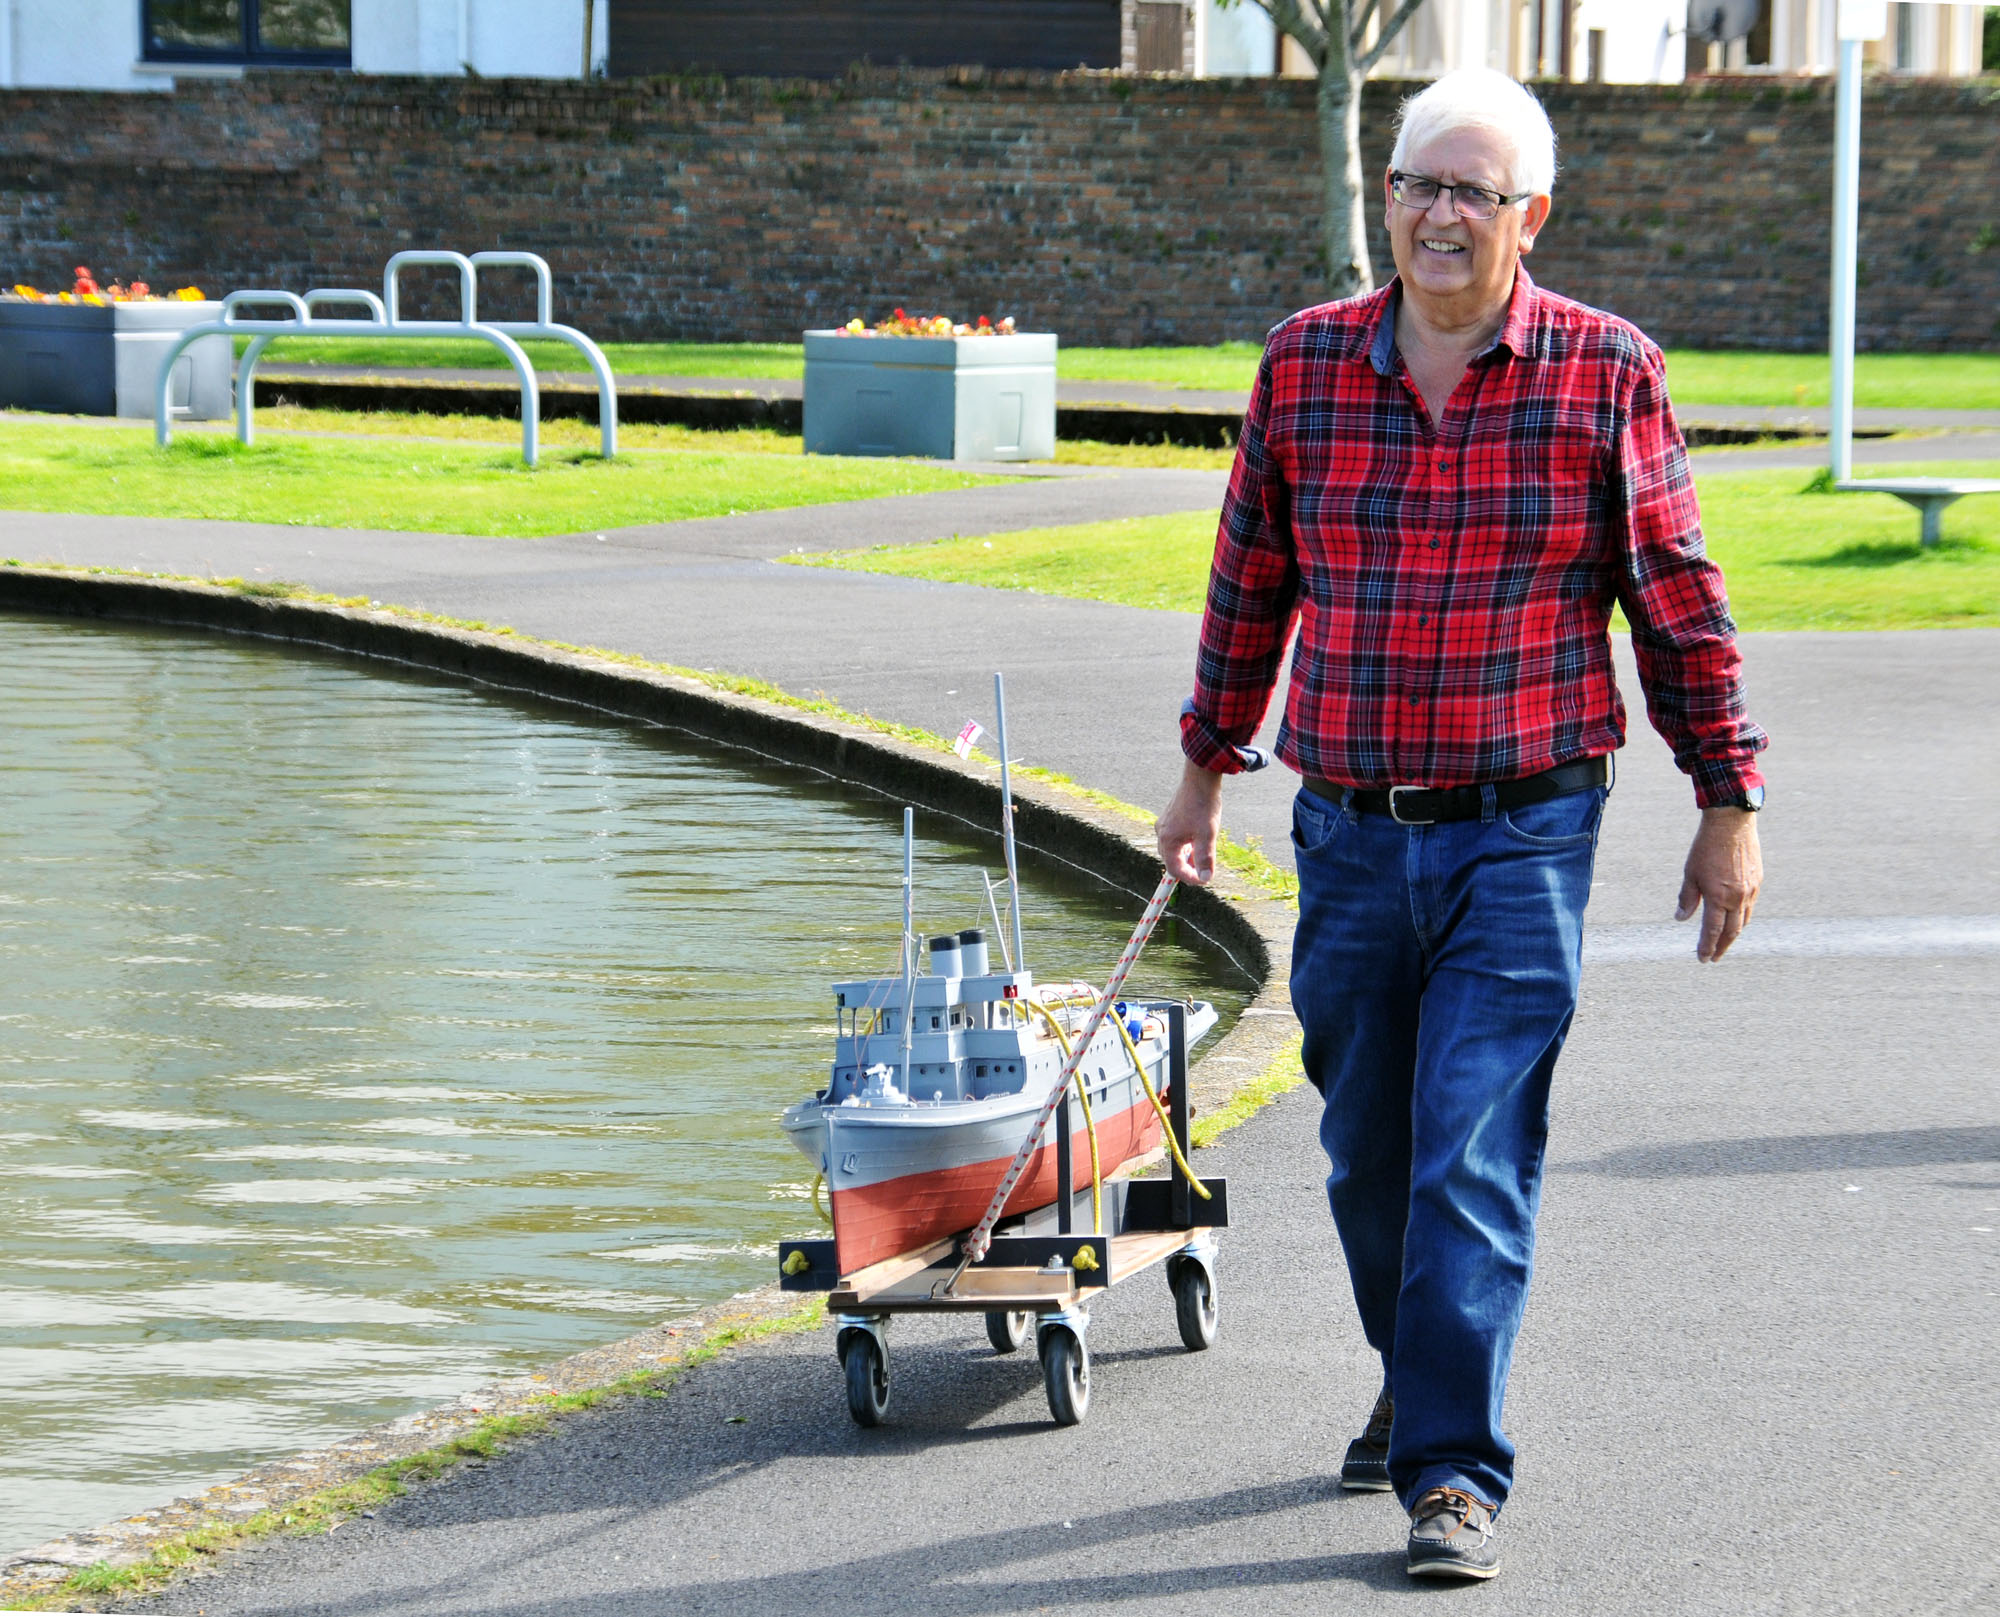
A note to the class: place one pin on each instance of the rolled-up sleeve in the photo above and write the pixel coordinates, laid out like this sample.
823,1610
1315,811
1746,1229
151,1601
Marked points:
1253,588
1682,635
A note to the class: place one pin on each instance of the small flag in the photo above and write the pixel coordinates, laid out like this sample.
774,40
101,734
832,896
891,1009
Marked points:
968,738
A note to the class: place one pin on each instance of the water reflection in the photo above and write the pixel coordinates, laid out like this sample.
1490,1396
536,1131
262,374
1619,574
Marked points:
362,1037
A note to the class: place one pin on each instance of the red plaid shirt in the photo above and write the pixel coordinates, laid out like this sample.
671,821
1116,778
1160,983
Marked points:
1453,582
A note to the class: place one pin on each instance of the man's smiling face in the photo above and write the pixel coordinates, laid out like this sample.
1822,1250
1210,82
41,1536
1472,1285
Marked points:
1451,263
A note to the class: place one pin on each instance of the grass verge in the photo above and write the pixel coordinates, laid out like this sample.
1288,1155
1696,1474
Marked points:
1805,381
755,360
640,437
1695,376
421,487
1281,1077
324,1511
1796,556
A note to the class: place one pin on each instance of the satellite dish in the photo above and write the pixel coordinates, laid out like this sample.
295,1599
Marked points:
1721,21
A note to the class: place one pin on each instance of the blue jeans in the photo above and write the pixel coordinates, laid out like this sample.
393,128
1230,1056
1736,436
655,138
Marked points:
1435,975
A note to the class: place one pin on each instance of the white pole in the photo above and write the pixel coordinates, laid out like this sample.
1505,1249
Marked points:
1846,247
909,939
1007,820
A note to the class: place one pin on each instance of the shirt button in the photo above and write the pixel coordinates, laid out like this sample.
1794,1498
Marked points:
1422,620
1434,544
1444,465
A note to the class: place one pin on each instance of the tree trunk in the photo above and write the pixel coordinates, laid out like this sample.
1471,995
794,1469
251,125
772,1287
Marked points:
1345,221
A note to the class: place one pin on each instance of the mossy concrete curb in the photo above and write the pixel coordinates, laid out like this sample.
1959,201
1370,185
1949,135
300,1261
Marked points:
1066,825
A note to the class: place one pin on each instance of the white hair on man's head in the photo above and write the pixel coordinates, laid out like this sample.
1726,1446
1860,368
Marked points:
1480,98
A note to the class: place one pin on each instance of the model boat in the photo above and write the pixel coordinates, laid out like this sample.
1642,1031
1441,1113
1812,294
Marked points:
942,1077
914,1135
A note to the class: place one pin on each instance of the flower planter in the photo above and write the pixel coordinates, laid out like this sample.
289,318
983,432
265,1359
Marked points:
950,398
104,359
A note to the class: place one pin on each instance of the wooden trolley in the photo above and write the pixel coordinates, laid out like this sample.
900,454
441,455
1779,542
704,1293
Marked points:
1039,1273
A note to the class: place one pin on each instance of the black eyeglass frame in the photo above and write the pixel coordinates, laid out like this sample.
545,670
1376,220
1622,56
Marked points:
252,52
1398,176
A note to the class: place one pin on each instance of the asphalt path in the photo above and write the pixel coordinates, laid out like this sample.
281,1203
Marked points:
1759,1371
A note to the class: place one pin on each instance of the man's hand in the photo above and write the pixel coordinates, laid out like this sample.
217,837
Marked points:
1725,868
1188,830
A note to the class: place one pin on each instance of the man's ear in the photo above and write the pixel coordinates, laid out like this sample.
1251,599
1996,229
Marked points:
1537,215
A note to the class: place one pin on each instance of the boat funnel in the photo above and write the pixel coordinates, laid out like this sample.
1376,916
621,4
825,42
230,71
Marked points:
972,952
944,956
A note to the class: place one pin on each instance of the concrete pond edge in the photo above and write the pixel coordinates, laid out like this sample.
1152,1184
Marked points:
1073,825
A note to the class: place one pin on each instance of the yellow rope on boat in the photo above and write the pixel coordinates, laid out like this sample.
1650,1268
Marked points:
825,1217
1166,1123
1089,1123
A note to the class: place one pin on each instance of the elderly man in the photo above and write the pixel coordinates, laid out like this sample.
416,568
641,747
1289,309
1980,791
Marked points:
1445,485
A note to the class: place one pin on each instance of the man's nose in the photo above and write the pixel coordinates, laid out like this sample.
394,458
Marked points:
1447,200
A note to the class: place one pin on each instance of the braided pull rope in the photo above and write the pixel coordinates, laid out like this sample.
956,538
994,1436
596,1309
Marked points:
982,1233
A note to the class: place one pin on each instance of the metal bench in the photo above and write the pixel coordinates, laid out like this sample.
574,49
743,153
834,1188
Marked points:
386,321
1930,495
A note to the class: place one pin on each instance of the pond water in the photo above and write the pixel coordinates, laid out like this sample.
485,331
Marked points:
364,1036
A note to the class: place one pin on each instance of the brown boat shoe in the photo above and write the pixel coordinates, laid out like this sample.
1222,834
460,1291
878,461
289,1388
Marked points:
1451,1536
1366,1468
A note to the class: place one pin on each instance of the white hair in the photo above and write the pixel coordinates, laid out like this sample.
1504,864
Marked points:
1480,98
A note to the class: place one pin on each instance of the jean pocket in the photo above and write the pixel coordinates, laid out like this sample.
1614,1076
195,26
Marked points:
1569,821
1315,822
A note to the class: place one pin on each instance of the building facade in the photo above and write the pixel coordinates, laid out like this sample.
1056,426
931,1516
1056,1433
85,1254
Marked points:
149,44
1595,41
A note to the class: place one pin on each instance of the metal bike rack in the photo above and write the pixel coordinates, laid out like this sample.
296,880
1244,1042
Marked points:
386,321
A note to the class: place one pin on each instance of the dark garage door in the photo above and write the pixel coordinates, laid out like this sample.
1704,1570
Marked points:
821,39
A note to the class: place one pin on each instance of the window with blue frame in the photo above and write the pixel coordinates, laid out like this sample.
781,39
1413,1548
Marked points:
277,33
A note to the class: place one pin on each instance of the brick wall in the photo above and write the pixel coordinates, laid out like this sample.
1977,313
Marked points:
1108,209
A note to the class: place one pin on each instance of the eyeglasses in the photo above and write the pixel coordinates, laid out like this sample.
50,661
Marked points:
1467,201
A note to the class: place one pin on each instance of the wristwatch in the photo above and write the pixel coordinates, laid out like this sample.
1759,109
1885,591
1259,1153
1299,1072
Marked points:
1750,800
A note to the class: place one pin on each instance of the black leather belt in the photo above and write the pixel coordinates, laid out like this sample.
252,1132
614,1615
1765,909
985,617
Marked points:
1427,805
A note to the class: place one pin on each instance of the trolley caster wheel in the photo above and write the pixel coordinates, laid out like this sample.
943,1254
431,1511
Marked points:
867,1378
1008,1331
1194,1305
1066,1372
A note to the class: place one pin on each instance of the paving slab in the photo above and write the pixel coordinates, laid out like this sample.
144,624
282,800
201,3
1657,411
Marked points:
1758,1372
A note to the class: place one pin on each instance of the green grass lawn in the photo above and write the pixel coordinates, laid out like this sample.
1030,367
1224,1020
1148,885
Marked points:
1794,560
642,436
426,487
744,359
1882,381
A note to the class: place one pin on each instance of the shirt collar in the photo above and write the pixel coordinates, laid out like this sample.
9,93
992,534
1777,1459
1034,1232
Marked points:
1520,332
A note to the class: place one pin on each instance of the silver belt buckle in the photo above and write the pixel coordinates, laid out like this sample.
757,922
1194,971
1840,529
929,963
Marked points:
1396,813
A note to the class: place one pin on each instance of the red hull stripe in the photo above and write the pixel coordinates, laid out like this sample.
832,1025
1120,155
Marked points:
879,1221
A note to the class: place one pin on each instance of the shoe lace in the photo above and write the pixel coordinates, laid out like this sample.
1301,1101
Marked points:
1380,1422
1453,1502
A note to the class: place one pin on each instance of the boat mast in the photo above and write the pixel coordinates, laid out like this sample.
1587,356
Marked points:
999,931
1020,960
909,939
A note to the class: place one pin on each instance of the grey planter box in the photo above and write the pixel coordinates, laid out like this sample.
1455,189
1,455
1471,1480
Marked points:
87,359
951,398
